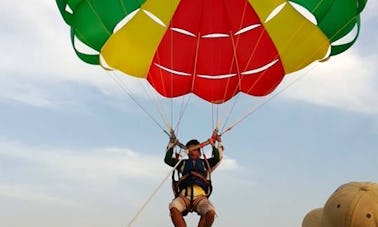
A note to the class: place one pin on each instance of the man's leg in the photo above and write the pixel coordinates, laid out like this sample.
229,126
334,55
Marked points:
206,210
177,218
207,220
176,207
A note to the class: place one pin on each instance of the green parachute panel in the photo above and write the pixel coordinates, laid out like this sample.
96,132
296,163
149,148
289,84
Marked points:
336,18
92,22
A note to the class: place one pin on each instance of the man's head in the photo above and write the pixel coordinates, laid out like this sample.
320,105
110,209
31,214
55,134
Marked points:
193,153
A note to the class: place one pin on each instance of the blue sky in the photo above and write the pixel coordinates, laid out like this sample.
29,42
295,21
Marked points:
77,151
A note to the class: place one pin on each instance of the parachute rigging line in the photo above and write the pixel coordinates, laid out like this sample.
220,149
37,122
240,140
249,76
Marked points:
257,107
265,101
182,153
185,104
125,89
229,128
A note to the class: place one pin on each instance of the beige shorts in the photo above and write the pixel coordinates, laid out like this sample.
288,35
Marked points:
200,204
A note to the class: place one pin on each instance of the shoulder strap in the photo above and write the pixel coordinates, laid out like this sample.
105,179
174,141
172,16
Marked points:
208,176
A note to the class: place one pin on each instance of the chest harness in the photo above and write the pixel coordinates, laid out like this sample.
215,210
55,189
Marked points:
192,172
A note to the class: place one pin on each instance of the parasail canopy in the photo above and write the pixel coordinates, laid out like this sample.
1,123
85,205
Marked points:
212,48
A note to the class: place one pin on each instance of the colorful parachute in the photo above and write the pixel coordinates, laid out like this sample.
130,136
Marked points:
213,48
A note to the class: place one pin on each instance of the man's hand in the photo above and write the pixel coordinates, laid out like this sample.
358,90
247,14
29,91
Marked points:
215,137
172,137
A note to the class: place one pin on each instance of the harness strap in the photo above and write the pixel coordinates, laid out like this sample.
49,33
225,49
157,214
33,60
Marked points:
200,176
207,167
187,202
191,194
208,177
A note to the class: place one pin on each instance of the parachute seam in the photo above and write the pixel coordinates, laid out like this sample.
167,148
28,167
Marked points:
238,88
195,62
259,106
153,84
98,17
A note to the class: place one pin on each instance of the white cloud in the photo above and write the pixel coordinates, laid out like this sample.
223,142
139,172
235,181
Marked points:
36,48
103,163
228,164
92,163
346,81
38,53
27,193
27,93
80,180
370,11
38,56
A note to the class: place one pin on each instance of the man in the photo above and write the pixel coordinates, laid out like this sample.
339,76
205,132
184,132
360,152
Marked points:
194,186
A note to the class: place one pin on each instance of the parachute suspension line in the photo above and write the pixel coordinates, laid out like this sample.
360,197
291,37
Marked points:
257,105
156,103
196,60
277,56
171,78
120,83
214,115
234,43
127,91
260,105
184,105
264,102
233,106
171,116
196,57
184,101
235,61
158,107
182,154
218,121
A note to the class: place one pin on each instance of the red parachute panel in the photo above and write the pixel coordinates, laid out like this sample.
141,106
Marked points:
215,51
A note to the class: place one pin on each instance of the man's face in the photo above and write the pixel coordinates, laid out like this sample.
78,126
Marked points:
194,153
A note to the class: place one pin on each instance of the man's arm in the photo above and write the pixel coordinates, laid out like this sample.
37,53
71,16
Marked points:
169,159
217,151
213,161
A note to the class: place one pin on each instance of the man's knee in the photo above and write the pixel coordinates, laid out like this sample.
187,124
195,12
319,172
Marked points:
207,219
178,203
210,215
204,206
174,211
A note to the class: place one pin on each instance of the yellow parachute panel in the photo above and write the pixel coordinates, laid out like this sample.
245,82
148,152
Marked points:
132,48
